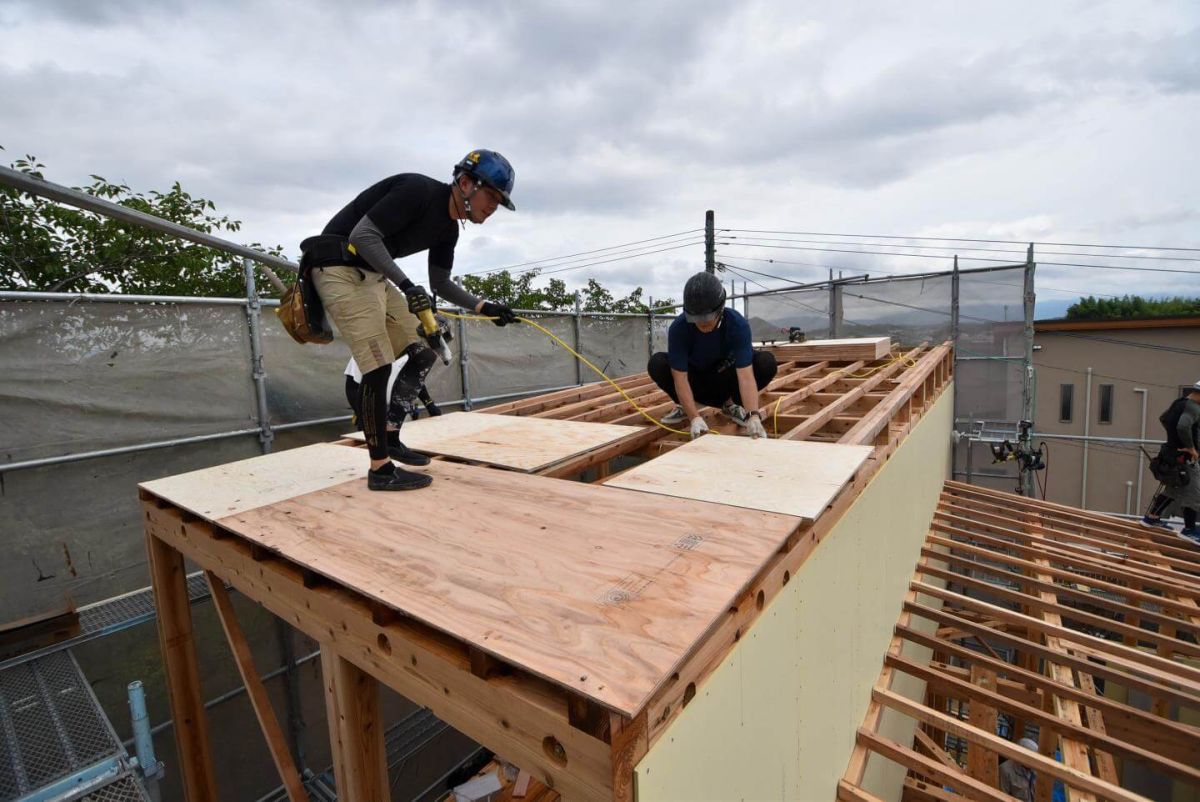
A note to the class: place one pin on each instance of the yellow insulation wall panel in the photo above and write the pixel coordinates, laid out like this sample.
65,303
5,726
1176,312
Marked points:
777,719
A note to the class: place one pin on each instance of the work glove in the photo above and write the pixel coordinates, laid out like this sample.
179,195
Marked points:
501,315
418,300
699,427
434,410
754,427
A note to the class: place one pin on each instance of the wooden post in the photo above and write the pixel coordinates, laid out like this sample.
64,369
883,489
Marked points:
355,729
182,671
276,743
982,763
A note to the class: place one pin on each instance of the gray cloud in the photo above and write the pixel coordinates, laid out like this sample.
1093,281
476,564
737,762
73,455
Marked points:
623,124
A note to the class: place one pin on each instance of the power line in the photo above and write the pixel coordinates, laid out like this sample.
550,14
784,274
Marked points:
782,296
583,253
618,256
1020,251
874,271
969,258
967,239
615,259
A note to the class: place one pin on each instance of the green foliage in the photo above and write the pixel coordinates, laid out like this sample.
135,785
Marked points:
519,292
1132,307
49,247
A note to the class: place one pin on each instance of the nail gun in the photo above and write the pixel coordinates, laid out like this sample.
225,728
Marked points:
436,330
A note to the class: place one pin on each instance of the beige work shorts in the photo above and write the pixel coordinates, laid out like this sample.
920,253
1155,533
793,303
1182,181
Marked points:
371,315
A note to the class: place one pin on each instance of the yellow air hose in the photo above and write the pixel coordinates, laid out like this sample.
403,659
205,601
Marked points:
585,361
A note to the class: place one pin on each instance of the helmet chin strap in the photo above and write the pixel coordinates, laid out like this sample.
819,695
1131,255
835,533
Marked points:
466,202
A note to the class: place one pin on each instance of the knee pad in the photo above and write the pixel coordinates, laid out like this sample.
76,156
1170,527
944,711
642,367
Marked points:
420,359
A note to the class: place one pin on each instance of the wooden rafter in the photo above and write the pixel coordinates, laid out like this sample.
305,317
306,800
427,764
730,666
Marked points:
1076,595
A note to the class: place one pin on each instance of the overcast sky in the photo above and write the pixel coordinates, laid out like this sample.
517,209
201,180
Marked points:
1060,121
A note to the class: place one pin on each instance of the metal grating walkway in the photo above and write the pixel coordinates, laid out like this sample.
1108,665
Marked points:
112,615
52,728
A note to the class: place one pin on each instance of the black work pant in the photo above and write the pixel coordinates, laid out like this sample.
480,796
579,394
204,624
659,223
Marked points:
711,388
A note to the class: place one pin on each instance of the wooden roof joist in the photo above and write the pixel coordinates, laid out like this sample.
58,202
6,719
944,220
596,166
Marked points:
563,625
1026,609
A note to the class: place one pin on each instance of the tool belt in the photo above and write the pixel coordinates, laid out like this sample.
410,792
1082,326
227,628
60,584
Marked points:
326,250
1169,467
300,309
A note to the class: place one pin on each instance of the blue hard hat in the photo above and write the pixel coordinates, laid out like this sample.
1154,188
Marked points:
492,169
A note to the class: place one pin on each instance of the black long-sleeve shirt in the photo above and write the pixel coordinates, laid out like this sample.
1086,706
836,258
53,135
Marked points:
400,216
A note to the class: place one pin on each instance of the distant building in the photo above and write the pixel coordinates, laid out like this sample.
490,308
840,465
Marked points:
1108,379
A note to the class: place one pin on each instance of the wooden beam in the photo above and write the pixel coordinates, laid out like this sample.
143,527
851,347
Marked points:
1036,547
815,422
182,672
1004,551
1148,685
963,783
355,728
1042,603
256,691
870,427
852,793
1044,766
925,742
992,700
1140,545
1137,725
1185,676
917,791
982,763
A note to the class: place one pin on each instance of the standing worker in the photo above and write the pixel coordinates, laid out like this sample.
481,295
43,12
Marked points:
1182,424
360,287
710,361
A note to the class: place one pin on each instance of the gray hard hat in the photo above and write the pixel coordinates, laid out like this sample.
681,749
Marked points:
703,298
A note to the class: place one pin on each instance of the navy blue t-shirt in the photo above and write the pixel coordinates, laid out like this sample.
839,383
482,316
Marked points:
688,347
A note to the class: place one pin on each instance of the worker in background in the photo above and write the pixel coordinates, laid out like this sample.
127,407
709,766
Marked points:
1018,779
375,305
1182,424
710,361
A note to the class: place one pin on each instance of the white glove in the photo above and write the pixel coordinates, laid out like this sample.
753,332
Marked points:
699,427
754,427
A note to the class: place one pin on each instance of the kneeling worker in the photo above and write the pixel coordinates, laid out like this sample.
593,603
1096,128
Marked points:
710,361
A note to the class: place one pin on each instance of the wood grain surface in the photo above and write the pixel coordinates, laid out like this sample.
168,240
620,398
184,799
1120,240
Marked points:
793,477
598,589
239,486
866,348
521,443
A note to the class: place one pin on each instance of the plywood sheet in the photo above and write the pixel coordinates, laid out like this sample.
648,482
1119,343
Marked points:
601,590
793,477
522,443
239,486
865,348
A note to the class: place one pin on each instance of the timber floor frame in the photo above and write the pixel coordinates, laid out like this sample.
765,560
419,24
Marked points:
567,743
1037,605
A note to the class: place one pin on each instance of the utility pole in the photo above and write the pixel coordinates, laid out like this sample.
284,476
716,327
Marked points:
1030,299
710,244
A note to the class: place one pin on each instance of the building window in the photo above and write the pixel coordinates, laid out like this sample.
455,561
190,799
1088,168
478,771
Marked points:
1106,403
1066,402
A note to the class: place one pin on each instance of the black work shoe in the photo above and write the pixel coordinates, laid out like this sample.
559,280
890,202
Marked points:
397,479
402,453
